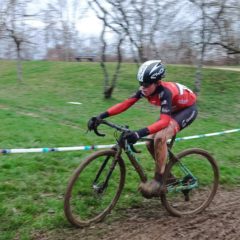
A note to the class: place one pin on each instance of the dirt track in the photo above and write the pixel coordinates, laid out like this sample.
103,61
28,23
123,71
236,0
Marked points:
220,221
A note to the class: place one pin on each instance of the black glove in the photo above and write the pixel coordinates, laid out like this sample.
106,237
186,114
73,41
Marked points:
132,137
93,123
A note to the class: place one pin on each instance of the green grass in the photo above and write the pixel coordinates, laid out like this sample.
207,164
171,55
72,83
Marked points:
36,114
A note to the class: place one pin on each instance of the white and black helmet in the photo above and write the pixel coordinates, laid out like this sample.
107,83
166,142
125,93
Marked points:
150,72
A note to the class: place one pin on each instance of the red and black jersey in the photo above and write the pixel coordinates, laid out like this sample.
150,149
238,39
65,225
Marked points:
169,96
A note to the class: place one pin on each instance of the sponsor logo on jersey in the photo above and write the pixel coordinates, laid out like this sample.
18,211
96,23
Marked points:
165,110
183,101
164,102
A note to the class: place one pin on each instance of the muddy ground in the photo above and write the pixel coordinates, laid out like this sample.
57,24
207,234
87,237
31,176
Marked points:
220,221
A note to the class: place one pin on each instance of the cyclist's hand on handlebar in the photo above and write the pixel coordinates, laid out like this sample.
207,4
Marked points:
93,123
132,137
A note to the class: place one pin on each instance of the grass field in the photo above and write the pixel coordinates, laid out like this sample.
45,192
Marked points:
36,113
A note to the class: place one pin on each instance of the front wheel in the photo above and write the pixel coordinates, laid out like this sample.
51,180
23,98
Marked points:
94,188
190,182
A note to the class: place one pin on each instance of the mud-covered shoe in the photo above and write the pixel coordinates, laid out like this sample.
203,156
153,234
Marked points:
150,189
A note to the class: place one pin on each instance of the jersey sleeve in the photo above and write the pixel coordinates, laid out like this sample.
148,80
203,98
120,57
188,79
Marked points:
165,114
123,106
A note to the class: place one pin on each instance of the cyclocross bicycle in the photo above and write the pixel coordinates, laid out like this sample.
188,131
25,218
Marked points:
189,183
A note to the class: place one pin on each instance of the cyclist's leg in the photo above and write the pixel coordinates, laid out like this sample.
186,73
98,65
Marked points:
179,121
158,150
150,146
160,143
160,146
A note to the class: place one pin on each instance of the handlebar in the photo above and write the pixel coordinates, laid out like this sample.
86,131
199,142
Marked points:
112,125
122,129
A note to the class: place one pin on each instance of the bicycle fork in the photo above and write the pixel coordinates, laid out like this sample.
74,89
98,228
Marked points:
100,187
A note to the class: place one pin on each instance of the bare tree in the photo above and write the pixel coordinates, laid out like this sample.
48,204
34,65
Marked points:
215,27
60,18
227,24
204,35
108,85
139,20
134,22
13,26
204,28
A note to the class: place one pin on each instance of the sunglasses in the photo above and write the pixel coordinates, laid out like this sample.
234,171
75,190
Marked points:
145,85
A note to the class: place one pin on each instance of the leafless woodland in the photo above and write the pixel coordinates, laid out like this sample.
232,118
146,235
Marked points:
189,31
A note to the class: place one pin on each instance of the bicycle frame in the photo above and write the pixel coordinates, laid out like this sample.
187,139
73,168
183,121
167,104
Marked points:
129,150
118,149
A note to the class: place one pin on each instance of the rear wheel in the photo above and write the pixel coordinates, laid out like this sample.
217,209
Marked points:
190,182
94,188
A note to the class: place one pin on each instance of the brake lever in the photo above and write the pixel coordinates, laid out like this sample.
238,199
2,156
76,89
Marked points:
134,149
98,133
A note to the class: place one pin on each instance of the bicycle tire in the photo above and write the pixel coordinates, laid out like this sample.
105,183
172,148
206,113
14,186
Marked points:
82,199
192,200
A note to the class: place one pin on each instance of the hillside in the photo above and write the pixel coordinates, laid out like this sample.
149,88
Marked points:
37,113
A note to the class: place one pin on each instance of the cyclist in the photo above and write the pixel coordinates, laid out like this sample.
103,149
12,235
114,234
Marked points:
177,110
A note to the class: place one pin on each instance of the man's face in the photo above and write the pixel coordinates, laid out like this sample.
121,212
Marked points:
149,89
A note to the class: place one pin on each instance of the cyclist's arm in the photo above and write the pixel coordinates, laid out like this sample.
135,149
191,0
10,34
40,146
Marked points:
123,106
165,116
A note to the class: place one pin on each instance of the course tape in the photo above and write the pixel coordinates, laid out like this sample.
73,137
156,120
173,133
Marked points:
78,148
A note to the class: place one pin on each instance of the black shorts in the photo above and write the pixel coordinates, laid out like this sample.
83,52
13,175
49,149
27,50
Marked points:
186,116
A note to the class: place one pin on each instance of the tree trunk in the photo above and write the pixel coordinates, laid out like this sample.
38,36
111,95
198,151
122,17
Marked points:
198,79
117,70
103,65
19,63
108,92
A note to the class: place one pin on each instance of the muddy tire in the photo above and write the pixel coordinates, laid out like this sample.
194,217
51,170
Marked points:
87,199
188,195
